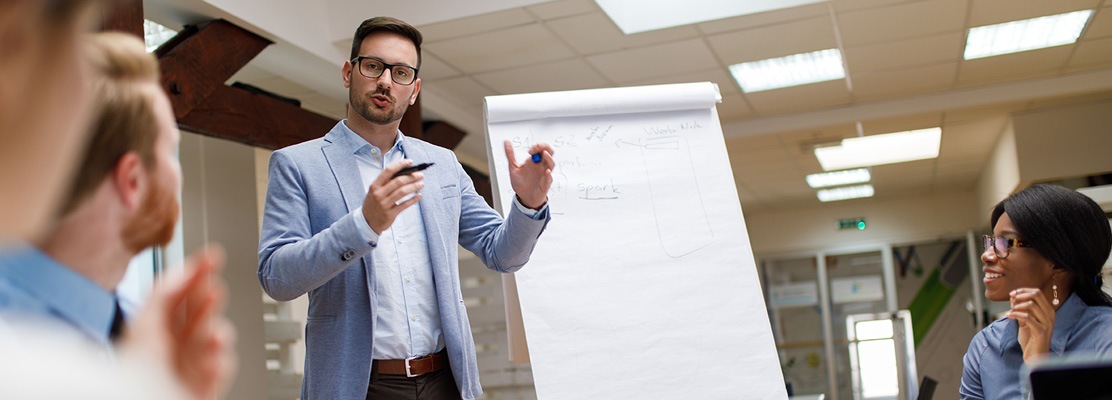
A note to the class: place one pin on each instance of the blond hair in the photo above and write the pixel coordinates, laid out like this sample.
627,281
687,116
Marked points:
124,118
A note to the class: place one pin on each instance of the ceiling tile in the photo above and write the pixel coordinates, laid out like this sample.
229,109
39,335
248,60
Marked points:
847,5
432,67
750,21
905,53
753,143
1097,52
462,91
545,77
595,33
507,48
901,21
726,83
912,172
775,157
654,61
456,28
733,107
789,38
800,98
802,142
988,12
1009,67
559,9
904,82
1100,25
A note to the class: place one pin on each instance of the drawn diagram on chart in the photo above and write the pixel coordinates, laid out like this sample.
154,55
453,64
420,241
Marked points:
681,216
606,156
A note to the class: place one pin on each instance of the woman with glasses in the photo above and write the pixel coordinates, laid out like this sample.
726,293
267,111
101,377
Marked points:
1044,257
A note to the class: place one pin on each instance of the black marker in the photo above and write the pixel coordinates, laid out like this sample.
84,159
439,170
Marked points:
411,169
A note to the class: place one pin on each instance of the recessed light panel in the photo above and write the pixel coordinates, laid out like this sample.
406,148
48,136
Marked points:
838,178
1023,35
888,148
845,193
634,16
793,70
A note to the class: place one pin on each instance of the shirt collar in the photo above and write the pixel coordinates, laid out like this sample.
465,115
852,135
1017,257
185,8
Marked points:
357,145
72,296
1065,322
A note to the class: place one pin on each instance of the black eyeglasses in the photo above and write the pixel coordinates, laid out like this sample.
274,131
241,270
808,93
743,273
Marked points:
372,67
1001,246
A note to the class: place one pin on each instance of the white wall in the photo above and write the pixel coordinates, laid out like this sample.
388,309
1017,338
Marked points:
1064,142
218,205
1000,177
894,221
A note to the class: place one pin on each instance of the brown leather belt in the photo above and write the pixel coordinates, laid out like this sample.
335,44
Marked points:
412,367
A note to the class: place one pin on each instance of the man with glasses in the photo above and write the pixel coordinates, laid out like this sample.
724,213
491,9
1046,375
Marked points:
374,243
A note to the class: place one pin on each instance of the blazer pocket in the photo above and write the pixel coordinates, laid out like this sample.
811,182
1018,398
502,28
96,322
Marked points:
320,318
449,191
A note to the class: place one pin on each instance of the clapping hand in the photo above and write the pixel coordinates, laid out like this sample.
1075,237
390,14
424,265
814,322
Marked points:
182,328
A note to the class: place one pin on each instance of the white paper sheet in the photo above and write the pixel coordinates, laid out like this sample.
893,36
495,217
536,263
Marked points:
644,284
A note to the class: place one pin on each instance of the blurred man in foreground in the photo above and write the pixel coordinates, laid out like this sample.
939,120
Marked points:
179,345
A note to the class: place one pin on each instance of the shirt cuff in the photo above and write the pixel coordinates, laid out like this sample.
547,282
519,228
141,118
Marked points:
531,213
369,236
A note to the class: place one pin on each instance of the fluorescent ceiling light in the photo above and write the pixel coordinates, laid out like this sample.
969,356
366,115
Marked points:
838,178
1028,34
634,16
888,148
845,193
793,70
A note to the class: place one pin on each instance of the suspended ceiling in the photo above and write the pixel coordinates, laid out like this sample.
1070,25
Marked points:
904,71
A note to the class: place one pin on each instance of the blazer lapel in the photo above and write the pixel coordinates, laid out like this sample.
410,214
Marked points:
341,160
432,200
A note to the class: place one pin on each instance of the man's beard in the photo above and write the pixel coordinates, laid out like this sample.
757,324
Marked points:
154,223
363,107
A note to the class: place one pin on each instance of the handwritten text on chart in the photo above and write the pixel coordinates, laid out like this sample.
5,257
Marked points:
599,192
599,134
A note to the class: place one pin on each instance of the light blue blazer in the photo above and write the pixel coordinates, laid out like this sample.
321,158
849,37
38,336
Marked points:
309,244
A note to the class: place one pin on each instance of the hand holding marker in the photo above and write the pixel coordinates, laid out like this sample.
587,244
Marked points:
411,169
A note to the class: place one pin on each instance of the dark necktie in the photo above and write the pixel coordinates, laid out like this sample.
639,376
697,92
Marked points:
117,324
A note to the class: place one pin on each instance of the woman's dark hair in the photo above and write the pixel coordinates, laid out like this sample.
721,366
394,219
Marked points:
1068,229
386,24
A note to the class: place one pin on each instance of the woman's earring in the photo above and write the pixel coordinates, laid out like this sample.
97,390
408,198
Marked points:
1055,302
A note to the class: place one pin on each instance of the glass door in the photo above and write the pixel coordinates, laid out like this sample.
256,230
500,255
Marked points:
855,282
792,289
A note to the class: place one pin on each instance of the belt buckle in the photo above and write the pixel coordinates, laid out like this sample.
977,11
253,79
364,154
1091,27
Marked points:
408,368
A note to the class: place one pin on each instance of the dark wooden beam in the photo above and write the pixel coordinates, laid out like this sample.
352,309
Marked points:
124,16
254,119
443,134
195,66
199,60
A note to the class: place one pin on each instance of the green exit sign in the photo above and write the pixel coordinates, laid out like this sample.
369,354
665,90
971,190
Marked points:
852,223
